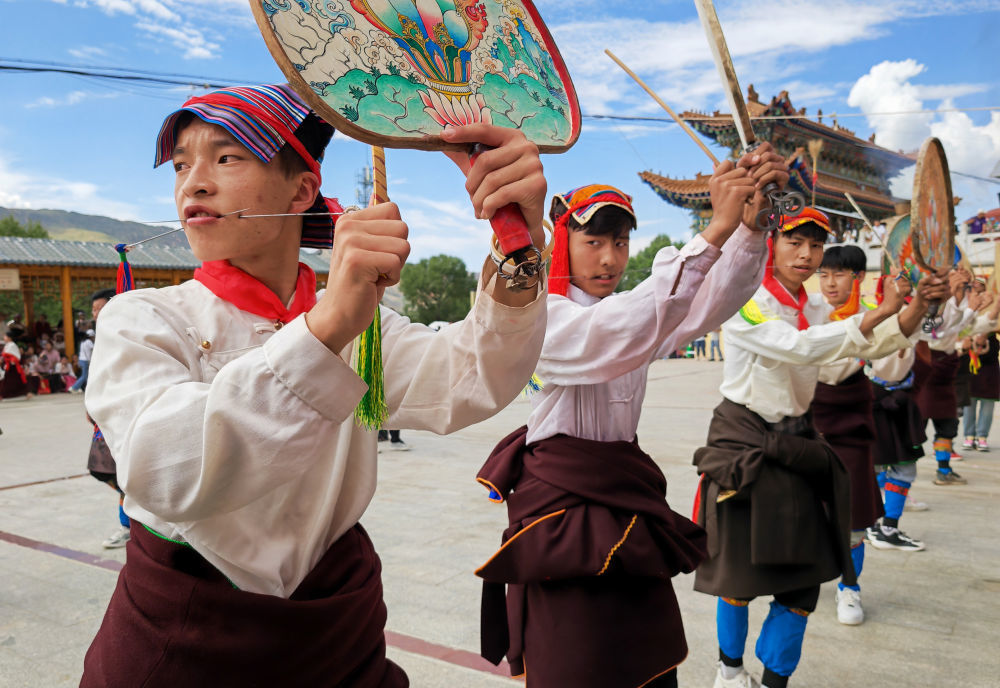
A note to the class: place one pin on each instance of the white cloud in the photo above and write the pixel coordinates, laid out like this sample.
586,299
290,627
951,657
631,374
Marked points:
971,148
192,41
762,35
191,27
887,88
439,226
87,52
20,189
71,98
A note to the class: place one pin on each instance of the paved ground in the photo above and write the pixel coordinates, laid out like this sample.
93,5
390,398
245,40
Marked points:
933,616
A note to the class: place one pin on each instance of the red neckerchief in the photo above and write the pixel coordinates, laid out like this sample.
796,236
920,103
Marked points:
778,290
249,294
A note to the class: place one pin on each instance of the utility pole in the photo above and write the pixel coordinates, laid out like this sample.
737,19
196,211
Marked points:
364,181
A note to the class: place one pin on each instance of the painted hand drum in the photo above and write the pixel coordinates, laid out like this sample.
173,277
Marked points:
396,72
924,240
932,210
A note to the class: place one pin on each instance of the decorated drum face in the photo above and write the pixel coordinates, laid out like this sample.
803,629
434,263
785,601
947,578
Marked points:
932,211
396,72
899,245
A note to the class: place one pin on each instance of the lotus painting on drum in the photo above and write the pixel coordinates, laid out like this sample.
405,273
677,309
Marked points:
406,69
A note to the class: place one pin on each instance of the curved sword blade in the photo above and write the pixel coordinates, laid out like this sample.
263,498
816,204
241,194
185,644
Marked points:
724,63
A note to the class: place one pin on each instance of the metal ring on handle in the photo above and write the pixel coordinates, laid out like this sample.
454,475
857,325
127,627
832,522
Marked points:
783,204
527,264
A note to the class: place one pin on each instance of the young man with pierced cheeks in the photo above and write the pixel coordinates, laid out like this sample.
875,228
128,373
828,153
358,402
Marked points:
774,497
842,407
229,401
592,544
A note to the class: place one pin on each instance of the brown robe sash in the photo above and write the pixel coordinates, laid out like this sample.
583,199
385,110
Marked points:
787,524
587,560
174,620
843,414
935,385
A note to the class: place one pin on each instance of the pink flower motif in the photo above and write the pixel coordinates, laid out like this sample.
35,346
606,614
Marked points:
456,110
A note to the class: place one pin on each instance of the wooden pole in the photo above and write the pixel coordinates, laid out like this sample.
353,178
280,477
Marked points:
28,294
66,295
659,101
379,186
815,148
885,249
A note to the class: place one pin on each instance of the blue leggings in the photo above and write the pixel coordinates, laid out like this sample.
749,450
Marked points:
779,645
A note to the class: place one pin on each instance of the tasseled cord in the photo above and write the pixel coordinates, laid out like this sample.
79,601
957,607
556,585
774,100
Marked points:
974,363
124,281
372,411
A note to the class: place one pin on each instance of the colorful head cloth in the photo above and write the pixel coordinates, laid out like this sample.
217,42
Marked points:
265,118
771,283
580,204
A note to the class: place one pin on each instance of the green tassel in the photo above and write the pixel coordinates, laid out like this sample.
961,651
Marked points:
372,411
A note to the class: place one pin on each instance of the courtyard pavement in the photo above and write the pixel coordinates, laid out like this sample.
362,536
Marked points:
932,617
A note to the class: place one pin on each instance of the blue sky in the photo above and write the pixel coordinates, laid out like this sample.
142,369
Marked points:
76,144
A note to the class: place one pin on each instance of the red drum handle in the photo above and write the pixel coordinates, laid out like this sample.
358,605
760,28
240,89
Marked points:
508,223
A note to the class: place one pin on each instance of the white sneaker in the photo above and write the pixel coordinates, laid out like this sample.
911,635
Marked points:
398,446
914,505
741,680
849,609
118,539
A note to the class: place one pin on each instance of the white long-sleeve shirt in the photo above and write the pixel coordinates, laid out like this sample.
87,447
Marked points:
955,317
957,321
240,440
772,367
597,352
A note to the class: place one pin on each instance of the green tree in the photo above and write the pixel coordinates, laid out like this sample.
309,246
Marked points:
641,264
436,288
11,227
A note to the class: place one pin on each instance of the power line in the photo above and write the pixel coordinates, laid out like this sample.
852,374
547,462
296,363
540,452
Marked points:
101,70
141,77
180,79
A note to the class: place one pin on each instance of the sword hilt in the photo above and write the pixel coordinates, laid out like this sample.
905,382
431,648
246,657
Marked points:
782,203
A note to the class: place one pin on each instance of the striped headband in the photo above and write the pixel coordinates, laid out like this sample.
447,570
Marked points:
263,119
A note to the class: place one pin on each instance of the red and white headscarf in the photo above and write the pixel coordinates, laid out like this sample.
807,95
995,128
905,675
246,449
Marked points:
580,204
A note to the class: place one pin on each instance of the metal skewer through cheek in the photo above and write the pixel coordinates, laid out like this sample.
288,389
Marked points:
171,231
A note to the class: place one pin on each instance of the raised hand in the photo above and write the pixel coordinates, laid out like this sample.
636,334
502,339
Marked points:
958,280
894,293
765,166
731,187
510,173
368,256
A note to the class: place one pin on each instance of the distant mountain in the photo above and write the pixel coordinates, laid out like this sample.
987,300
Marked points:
70,226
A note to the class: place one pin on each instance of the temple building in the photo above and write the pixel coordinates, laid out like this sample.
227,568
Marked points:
844,162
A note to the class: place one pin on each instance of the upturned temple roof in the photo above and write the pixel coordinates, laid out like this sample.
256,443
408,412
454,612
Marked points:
796,126
845,163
